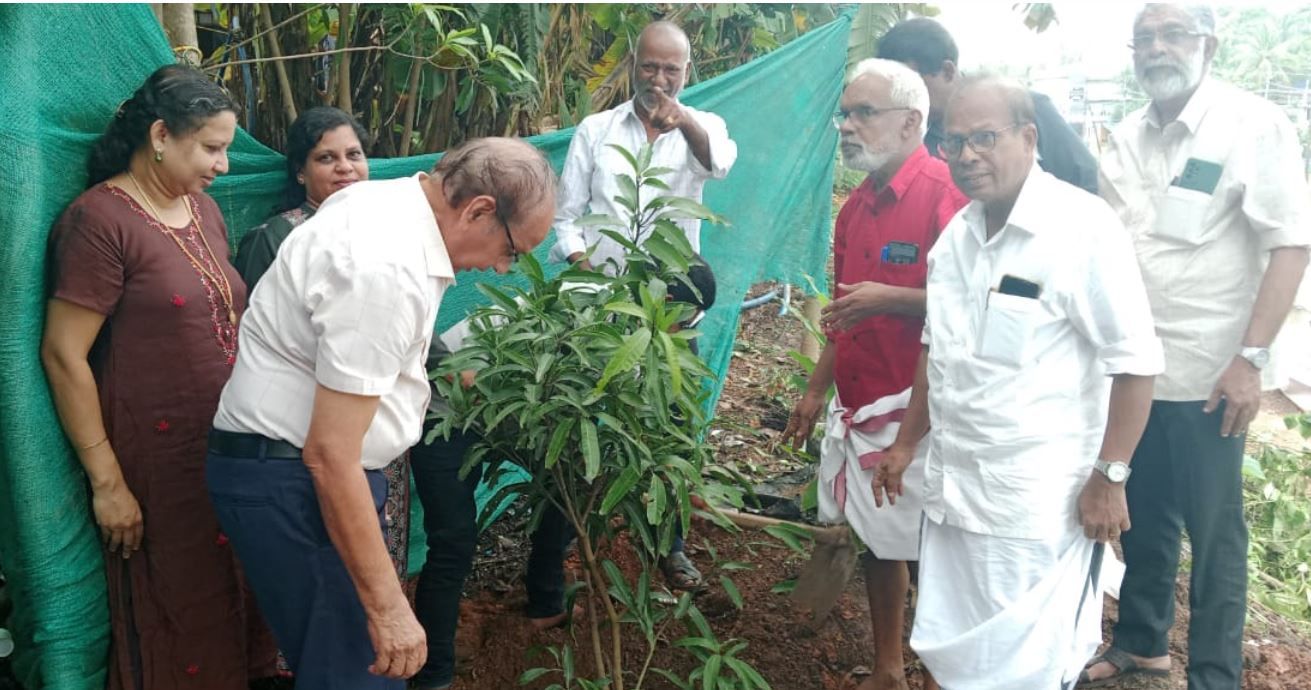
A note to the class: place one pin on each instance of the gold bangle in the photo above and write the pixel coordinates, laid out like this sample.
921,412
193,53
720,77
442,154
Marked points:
93,445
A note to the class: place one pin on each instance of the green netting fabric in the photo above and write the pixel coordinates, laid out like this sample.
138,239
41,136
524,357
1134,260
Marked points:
63,71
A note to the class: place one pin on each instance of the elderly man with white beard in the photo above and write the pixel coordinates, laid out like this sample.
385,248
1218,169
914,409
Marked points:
881,244
1208,180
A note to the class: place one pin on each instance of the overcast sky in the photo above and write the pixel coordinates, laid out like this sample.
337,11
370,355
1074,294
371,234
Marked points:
990,32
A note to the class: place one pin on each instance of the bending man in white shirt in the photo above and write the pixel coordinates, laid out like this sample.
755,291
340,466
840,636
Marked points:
329,386
692,144
1036,375
1209,181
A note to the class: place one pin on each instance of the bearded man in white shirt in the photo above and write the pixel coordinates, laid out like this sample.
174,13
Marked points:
1036,376
329,387
1208,180
692,144
694,147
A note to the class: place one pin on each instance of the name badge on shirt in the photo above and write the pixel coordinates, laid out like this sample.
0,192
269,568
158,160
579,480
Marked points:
1199,176
901,253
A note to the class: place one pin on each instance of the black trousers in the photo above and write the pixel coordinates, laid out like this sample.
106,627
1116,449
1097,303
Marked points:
450,520
1186,476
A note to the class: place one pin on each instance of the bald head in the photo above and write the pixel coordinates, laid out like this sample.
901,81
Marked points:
663,35
661,61
1016,98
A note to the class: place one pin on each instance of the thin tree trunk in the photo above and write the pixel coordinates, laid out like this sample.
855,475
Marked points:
279,68
411,105
809,344
179,21
344,65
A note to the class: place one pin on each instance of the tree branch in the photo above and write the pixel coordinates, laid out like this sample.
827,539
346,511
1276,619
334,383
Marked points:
411,105
344,22
284,84
261,32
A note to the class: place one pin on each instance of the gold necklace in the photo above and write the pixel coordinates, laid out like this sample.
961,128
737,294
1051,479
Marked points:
220,282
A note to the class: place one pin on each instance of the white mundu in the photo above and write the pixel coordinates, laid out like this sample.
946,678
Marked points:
1018,395
853,444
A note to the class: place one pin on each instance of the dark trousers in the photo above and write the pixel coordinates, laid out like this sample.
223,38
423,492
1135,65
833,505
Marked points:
269,510
450,519
1186,476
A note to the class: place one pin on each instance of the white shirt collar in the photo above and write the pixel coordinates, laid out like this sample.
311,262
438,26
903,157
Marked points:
1028,214
1191,116
434,247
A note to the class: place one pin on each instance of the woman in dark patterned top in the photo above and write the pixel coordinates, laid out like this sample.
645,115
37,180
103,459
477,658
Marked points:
140,336
325,153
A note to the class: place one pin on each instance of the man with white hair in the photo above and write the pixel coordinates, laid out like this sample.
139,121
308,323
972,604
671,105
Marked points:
1037,374
881,243
1208,180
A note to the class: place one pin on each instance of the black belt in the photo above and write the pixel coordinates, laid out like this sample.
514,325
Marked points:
254,446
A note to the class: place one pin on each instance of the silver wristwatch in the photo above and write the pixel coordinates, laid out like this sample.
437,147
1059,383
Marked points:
1117,472
1258,357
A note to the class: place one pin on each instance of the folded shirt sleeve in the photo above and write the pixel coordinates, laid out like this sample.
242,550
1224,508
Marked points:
367,319
1276,201
723,150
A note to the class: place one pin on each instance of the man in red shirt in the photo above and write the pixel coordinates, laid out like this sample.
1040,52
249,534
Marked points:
881,242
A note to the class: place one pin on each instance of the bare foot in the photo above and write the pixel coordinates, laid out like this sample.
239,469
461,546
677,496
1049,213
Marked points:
884,681
540,624
1105,669
557,621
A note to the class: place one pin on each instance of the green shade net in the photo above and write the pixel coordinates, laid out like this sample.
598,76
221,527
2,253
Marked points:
63,71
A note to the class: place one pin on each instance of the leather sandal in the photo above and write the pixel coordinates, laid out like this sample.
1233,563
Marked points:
1125,667
681,573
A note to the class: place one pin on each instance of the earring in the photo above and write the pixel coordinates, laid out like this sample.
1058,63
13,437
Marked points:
159,155
300,179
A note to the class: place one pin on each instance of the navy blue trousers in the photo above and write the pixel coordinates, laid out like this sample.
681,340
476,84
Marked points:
269,510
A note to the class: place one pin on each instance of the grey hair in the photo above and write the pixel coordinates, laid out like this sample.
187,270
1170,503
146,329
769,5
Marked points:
1017,98
511,171
1202,14
907,87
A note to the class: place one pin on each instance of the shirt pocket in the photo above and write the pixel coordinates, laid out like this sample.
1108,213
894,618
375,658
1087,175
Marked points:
902,275
1006,334
1180,215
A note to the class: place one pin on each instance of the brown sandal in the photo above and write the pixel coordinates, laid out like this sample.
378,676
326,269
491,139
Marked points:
681,573
1125,666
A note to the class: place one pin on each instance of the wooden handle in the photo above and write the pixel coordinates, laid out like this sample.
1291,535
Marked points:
824,535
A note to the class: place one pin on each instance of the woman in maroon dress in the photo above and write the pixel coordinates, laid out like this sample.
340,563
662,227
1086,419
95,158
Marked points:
141,334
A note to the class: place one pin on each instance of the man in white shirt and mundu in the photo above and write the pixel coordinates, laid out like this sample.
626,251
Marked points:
329,387
693,144
1036,376
1209,181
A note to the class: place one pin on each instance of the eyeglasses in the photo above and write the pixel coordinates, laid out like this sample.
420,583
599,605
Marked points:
1171,37
980,142
509,239
861,114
